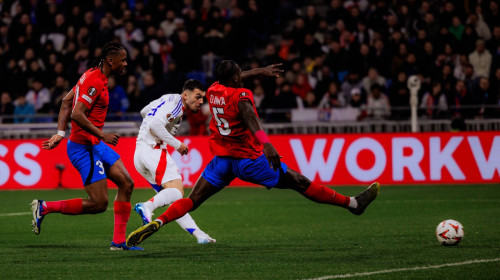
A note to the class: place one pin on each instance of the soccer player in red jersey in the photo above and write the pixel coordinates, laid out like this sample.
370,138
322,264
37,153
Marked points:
242,149
87,104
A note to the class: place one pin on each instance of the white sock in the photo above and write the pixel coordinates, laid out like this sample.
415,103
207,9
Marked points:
163,198
187,223
353,203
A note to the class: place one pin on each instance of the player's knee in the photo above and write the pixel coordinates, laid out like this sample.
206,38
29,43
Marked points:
128,187
294,180
99,206
195,205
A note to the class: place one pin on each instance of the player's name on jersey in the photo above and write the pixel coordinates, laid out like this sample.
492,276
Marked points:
215,100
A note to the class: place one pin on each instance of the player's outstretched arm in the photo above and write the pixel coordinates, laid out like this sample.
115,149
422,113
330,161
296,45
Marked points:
272,70
252,122
62,121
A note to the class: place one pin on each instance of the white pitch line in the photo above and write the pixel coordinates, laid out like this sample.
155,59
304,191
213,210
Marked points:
360,274
15,214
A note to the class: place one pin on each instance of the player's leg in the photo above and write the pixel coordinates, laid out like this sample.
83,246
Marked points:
321,194
158,167
88,163
201,192
121,206
186,222
215,177
160,170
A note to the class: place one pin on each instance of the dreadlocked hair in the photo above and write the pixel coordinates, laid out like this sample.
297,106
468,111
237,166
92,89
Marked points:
111,48
225,70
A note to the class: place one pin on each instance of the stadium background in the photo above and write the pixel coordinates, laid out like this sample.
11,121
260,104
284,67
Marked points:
46,44
334,54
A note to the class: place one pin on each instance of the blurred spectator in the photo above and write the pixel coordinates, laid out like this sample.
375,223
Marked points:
57,93
171,23
486,98
151,90
399,98
457,28
6,109
118,101
378,106
301,86
494,44
332,98
185,53
434,104
481,59
133,91
284,100
24,112
482,29
147,61
358,103
463,101
371,79
352,81
129,36
39,97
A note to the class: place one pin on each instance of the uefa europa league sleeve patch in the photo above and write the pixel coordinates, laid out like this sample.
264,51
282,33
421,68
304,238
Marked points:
91,91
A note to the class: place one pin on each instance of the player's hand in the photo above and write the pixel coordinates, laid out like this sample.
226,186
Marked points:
110,138
52,142
272,156
272,70
183,149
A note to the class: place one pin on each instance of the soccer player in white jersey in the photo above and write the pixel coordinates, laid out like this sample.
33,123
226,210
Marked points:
161,119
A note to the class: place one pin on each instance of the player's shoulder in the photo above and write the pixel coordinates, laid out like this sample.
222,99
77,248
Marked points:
242,93
94,76
170,98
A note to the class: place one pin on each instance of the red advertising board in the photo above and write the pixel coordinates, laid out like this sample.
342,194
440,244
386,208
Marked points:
333,159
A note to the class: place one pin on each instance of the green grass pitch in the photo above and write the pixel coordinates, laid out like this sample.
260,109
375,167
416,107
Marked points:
264,234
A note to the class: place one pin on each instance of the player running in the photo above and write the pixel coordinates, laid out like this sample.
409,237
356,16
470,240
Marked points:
162,118
87,104
242,149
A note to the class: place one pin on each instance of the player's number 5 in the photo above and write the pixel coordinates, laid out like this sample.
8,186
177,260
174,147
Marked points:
222,123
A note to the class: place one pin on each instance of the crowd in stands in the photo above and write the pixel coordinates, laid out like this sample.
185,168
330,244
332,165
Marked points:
335,53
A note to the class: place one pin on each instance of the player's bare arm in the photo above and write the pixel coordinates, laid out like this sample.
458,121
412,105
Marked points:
79,116
252,122
62,121
272,70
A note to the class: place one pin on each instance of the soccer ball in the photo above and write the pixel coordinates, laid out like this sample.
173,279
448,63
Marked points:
449,232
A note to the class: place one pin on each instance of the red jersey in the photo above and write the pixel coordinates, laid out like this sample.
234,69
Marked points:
229,136
92,91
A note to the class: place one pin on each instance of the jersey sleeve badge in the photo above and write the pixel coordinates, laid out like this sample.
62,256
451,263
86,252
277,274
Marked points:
170,118
91,91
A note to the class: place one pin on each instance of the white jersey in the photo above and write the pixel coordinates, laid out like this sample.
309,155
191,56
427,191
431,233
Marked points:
162,118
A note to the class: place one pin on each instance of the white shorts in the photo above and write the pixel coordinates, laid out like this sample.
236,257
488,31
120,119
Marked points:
155,165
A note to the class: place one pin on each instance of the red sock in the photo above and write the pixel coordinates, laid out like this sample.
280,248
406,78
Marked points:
178,209
70,206
326,195
122,214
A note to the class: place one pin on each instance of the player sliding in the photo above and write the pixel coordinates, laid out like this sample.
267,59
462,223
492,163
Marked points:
162,118
242,149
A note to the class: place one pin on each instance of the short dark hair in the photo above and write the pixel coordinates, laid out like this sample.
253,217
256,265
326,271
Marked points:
225,70
193,84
